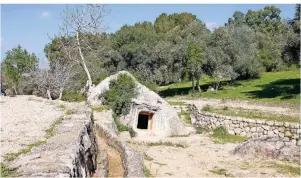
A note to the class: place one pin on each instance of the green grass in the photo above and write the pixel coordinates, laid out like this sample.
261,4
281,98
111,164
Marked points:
100,108
5,171
61,106
185,115
287,169
272,87
201,130
166,144
68,112
179,103
12,156
147,172
218,171
221,136
50,130
250,113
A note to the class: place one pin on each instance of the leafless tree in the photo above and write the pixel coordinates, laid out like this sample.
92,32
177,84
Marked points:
77,23
54,81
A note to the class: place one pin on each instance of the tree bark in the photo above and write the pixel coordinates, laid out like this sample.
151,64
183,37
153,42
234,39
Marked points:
48,94
89,82
198,86
16,86
61,93
192,83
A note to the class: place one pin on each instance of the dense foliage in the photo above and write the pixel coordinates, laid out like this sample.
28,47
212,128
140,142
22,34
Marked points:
179,47
121,92
17,63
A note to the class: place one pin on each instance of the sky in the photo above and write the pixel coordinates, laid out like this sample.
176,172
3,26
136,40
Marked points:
31,25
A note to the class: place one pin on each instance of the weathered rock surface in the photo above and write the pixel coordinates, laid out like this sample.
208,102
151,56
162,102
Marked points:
165,118
70,151
24,120
270,147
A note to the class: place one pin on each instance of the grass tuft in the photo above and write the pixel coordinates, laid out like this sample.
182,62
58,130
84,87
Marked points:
178,136
5,171
177,103
61,106
50,130
218,171
148,158
100,108
166,144
221,136
288,169
201,130
13,156
147,172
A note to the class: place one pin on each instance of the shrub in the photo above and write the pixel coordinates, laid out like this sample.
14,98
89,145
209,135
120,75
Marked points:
73,96
121,92
220,132
221,136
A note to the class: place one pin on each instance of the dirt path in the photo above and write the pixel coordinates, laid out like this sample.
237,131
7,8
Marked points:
203,158
115,167
243,104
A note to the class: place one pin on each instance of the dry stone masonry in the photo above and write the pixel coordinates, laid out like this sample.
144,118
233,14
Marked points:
286,131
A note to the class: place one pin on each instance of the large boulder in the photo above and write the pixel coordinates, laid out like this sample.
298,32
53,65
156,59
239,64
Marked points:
163,119
269,147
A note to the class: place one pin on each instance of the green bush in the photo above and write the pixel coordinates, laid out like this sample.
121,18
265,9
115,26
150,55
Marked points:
121,93
73,96
220,132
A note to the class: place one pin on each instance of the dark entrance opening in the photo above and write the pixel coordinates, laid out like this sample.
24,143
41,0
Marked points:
142,121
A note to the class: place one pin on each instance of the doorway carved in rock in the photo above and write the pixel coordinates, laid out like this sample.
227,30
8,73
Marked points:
145,120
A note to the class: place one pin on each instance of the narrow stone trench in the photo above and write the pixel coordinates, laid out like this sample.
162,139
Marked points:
115,167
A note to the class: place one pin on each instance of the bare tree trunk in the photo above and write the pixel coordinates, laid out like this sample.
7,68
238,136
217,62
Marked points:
217,85
15,89
61,93
48,94
193,83
198,83
89,82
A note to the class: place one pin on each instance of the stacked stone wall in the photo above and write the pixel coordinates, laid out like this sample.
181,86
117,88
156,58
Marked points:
286,131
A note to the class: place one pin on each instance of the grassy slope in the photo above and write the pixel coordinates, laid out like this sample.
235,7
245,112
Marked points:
277,87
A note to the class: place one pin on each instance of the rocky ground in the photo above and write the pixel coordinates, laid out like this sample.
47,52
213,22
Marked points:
24,120
201,157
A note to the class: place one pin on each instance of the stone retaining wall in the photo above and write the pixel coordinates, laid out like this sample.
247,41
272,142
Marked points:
289,132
